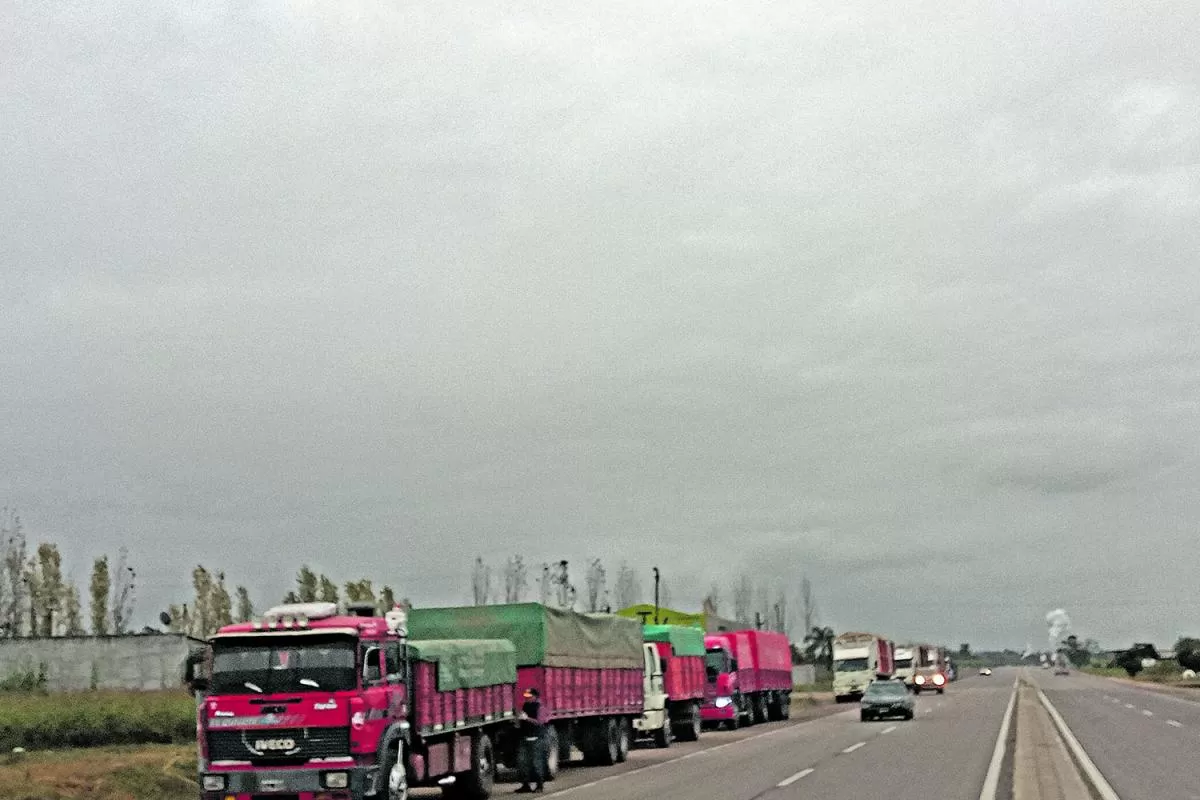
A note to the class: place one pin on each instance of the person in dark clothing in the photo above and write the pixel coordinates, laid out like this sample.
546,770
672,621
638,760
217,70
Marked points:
535,752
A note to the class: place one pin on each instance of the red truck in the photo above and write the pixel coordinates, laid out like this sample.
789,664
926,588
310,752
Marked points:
681,653
312,704
588,669
749,678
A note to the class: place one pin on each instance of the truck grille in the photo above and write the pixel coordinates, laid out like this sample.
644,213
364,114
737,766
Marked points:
278,745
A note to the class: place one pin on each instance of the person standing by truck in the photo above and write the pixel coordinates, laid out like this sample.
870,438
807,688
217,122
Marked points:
535,754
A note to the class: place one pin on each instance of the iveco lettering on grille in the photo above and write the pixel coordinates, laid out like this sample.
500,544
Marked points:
275,745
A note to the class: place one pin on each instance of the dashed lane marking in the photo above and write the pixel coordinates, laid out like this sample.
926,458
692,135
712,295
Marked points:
789,781
1147,712
1174,723
887,730
854,747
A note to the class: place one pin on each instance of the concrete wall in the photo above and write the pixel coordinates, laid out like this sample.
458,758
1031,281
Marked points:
803,674
76,663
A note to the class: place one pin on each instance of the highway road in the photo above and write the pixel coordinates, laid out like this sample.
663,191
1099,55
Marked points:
1144,743
944,753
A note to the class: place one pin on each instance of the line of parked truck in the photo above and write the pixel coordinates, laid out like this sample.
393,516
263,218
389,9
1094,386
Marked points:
316,703
860,658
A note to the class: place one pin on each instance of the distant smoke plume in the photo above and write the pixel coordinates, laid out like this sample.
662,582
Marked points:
1058,623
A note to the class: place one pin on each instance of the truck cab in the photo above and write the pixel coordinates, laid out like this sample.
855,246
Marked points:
906,665
655,721
723,703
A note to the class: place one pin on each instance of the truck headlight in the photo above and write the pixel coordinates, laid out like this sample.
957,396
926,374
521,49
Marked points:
214,783
723,702
337,780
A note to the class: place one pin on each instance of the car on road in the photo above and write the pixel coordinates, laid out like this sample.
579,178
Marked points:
985,671
884,699
1061,670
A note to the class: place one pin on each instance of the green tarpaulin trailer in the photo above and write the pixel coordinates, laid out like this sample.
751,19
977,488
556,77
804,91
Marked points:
542,636
468,664
684,640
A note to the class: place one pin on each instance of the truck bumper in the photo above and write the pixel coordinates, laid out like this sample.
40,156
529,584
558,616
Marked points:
711,713
305,784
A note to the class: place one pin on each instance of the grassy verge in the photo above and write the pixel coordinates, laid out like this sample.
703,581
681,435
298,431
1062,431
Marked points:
38,721
148,772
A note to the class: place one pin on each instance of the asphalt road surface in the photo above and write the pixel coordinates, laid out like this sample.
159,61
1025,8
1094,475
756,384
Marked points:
1144,743
944,753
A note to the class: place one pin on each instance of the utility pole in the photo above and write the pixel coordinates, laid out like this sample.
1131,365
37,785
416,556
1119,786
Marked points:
657,578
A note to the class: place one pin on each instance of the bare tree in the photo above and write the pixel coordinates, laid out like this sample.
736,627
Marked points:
481,582
597,589
14,590
712,600
762,606
664,593
545,585
808,605
516,581
743,600
124,585
563,590
780,613
629,586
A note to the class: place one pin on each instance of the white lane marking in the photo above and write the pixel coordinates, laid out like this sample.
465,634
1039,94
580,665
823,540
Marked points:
1129,705
854,747
789,781
991,781
1085,762
659,764
1147,712
1116,700
929,711
1174,723
887,730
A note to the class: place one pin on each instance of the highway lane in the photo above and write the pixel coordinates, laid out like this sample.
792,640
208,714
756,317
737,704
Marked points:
944,753
1144,743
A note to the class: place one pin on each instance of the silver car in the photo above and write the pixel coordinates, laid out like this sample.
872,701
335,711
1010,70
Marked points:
884,699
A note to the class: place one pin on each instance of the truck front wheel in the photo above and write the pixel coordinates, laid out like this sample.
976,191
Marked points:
662,736
623,736
689,729
395,773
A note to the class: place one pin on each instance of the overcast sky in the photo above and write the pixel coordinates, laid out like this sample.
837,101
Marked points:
902,296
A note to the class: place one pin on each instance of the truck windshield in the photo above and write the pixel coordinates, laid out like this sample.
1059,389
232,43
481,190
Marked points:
266,666
716,662
850,665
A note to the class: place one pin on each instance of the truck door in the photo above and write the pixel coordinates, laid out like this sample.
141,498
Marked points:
652,678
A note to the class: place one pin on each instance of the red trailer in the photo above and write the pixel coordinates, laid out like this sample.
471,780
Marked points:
588,669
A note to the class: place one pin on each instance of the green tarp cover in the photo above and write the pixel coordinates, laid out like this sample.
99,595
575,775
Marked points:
467,664
542,636
684,640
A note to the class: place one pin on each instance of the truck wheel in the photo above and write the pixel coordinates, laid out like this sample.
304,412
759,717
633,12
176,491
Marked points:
394,774
609,745
759,708
662,736
477,782
785,707
689,729
552,752
623,738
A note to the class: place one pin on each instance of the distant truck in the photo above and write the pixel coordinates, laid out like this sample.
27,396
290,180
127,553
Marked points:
310,702
676,653
590,670
748,678
907,658
858,659
933,672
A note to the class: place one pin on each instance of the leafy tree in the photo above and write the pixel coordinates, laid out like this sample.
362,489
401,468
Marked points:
1075,652
307,584
818,646
43,575
72,612
360,591
202,603
328,592
99,588
219,604
1129,661
245,609
964,650
596,581
181,619
291,597
13,590
1187,653
387,600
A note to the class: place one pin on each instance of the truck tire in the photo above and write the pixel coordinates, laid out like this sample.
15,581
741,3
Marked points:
608,746
552,752
624,740
759,708
393,778
775,707
477,782
662,736
688,730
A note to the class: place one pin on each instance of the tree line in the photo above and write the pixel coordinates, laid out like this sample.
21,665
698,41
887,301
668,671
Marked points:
37,599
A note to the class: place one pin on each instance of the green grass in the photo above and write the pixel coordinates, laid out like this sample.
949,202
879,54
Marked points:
811,688
38,721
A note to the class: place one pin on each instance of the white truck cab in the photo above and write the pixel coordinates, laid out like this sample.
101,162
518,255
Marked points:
655,720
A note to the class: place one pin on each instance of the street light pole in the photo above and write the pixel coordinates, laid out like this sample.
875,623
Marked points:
657,578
